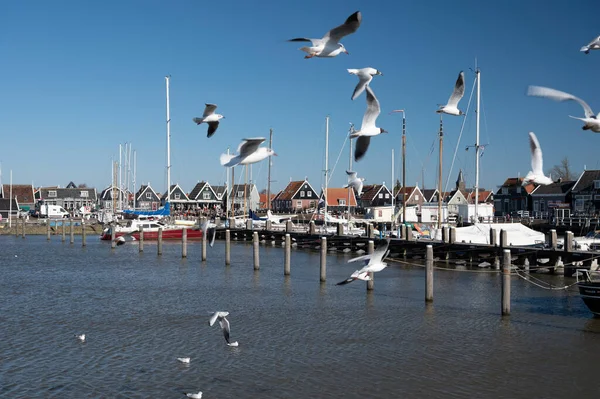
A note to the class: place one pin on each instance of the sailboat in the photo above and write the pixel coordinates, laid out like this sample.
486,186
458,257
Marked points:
479,233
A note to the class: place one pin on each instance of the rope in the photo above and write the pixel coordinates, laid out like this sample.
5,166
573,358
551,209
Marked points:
529,278
337,160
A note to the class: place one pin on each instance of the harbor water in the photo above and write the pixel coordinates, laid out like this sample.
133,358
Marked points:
297,338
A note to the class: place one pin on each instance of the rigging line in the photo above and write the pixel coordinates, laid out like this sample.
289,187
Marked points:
337,160
460,135
485,121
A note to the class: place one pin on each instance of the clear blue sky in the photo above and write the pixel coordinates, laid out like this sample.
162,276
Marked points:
79,78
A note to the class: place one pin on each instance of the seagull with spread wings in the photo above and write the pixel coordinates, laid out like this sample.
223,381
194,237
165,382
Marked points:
355,182
593,45
365,75
459,91
249,151
368,128
373,263
224,323
536,174
329,45
210,118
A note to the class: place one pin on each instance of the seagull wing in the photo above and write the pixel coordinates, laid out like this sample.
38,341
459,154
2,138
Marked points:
536,155
212,128
362,145
380,252
214,234
224,323
249,146
363,81
459,90
360,258
351,175
314,42
349,26
557,95
346,281
213,318
373,110
209,110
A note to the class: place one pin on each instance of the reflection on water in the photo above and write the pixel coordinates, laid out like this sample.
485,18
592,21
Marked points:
298,337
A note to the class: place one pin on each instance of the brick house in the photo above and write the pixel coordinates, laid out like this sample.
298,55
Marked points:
586,193
512,196
297,196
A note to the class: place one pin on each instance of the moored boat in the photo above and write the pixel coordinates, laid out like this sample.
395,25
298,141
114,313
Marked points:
589,289
151,228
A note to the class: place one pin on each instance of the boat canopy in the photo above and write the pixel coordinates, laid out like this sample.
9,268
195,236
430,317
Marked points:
162,211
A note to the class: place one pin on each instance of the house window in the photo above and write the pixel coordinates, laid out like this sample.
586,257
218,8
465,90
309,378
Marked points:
342,202
380,195
596,184
387,195
240,193
309,193
579,204
301,194
83,194
148,195
298,204
177,196
416,197
505,190
542,206
206,196
519,190
52,193
536,206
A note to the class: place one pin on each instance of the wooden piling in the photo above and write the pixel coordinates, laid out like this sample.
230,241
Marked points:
323,268
159,244
408,234
48,229
64,228
452,235
429,274
249,224
289,226
204,241
141,238
503,238
371,282
506,283
493,241
268,225
255,245
72,233
553,239
526,264
568,246
113,243
23,231
184,243
444,234
83,236
312,230
231,223
288,255
340,229
228,247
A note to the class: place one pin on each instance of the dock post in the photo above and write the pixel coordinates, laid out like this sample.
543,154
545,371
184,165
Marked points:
160,241
113,243
444,235
231,223
204,241
340,229
48,229
452,236
323,268
268,225
64,229
184,243
568,246
503,239
289,226
288,254
24,230
526,264
429,274
83,236
493,237
141,238
553,239
371,281
72,234
311,228
249,224
506,283
408,233
371,231
403,231
228,247
256,249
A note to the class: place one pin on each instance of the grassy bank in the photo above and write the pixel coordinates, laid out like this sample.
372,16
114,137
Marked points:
42,229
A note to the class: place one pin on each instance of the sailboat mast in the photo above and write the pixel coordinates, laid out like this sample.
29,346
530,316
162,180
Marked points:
269,173
393,209
478,74
441,196
134,177
350,189
168,142
404,167
326,168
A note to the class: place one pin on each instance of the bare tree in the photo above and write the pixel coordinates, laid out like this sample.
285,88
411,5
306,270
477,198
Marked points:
562,171
82,185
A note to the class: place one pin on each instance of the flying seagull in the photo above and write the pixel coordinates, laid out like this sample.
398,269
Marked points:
206,226
185,360
368,128
459,91
248,152
355,182
224,323
365,75
120,240
536,174
593,45
80,337
194,395
373,263
329,45
210,118
590,121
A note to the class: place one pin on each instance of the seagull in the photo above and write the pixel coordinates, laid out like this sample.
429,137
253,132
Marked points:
329,45
204,226
224,323
81,337
120,240
459,91
194,395
373,263
590,121
185,360
248,152
211,118
536,175
365,75
593,45
368,128
356,182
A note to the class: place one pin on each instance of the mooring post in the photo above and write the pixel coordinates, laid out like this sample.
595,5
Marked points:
113,243
72,234
48,229
340,229
493,241
371,281
553,239
429,274
506,283
268,225
255,244
311,228
526,264
231,223
289,226
184,243
204,241
503,239
323,268
141,238
452,236
228,247
64,229
403,231
568,246
24,229
444,235
288,255
371,231
408,234
159,244
83,236
249,224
